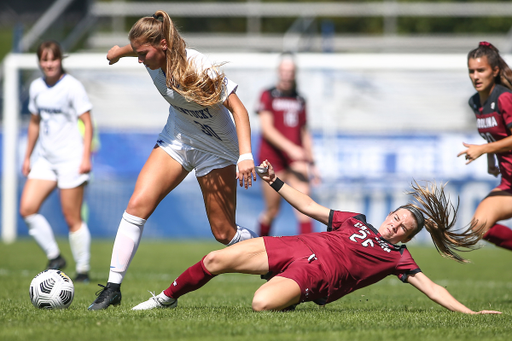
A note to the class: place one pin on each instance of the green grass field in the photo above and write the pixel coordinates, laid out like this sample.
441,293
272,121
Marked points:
221,310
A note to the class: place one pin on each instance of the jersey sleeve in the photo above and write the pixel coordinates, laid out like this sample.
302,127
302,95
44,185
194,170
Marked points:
336,219
505,107
32,99
79,99
265,103
407,266
229,88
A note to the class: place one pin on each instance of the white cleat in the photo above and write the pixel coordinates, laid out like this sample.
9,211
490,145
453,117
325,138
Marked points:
158,301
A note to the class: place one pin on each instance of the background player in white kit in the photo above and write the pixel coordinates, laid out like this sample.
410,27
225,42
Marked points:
57,101
207,131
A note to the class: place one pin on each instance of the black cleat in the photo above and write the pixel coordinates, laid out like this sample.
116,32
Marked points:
109,295
82,278
57,263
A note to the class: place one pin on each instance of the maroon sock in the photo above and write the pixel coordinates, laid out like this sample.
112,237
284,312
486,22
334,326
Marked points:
192,279
499,235
305,227
264,229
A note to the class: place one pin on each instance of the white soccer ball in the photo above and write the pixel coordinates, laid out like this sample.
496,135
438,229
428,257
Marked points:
52,289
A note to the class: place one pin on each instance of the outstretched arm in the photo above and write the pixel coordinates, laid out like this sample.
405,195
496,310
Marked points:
441,296
302,202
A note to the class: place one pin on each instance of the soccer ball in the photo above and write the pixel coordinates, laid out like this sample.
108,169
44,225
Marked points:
52,289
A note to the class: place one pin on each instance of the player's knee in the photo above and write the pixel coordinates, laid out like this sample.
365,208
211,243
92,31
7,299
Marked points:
260,302
223,236
213,262
26,211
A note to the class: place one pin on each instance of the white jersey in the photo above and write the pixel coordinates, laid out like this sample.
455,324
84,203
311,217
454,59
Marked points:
59,107
209,129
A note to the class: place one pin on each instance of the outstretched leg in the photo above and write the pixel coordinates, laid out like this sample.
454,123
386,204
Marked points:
248,256
160,175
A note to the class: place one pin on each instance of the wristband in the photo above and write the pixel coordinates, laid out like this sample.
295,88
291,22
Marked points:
277,184
243,157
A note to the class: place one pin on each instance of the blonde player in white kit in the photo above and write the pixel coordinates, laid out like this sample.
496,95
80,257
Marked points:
57,101
207,131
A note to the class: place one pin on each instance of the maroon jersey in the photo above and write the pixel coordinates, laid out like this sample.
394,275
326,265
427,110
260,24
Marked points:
494,121
355,255
289,113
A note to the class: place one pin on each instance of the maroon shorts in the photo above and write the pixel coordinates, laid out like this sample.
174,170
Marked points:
289,257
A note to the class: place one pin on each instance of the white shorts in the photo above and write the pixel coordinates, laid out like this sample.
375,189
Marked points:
65,174
191,158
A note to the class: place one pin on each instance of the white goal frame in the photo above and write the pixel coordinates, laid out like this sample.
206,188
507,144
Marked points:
13,63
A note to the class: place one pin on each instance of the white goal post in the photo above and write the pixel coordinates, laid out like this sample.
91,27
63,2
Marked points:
329,82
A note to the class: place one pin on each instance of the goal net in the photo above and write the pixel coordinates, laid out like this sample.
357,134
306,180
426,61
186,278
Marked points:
378,122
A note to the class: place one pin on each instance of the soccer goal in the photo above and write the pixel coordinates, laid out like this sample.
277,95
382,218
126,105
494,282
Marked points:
378,120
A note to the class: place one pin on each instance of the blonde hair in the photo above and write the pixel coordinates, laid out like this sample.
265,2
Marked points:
203,87
494,59
440,217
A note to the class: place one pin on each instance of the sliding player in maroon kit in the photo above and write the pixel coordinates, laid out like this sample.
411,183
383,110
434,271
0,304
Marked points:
285,142
323,267
492,105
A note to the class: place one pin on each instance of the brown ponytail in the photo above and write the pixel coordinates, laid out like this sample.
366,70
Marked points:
494,59
204,87
440,217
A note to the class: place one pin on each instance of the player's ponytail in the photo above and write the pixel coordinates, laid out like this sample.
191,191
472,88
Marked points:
440,217
202,87
494,59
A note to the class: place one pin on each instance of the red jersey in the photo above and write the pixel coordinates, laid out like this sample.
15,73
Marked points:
355,255
494,121
289,113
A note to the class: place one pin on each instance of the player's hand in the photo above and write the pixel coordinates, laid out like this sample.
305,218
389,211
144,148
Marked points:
270,174
473,152
486,312
85,166
25,168
113,55
246,173
297,153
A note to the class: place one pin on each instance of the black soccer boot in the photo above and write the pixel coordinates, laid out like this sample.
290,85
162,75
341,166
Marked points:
109,295
82,277
57,263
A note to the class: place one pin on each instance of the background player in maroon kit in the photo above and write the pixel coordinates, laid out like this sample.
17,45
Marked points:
323,267
285,142
492,105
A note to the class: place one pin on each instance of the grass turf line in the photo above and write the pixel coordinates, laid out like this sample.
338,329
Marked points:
221,310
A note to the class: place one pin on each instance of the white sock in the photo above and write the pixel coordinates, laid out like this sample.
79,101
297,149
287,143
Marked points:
40,229
127,241
242,233
80,242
